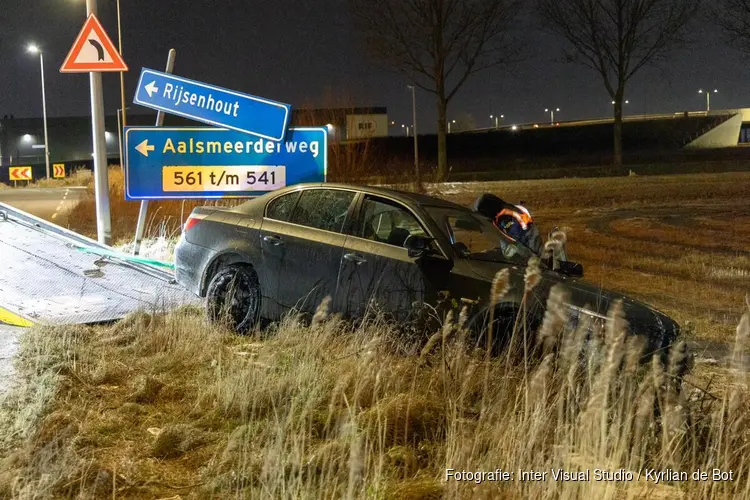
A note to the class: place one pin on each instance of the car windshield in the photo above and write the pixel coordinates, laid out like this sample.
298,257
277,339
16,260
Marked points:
474,236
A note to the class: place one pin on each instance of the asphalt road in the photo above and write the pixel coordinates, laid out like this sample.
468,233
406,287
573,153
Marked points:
47,203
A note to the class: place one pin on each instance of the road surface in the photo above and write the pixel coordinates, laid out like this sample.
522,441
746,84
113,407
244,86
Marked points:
51,204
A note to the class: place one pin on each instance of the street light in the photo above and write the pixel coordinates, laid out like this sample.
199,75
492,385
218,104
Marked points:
495,117
624,102
552,114
33,49
406,129
449,125
708,97
413,89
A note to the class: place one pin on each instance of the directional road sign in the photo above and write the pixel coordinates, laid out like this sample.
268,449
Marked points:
58,170
213,105
93,51
20,173
205,162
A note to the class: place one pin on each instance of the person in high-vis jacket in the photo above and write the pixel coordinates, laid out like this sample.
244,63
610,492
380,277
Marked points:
513,220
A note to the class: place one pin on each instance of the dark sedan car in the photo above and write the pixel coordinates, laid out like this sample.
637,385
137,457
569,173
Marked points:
369,248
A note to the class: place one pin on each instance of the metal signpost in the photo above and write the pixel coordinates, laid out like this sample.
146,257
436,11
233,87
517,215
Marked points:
140,226
93,52
209,163
212,105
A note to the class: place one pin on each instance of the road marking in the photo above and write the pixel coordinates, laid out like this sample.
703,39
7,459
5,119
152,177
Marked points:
9,318
62,202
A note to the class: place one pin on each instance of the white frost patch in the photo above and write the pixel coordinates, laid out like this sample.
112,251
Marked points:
8,347
160,248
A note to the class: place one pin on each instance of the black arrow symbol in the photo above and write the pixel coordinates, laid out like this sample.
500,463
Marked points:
98,48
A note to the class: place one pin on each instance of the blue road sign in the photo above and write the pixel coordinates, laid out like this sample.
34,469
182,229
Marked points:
213,105
204,162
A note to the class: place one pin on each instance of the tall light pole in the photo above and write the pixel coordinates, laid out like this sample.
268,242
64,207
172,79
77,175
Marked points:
120,125
495,117
708,97
122,73
35,50
552,114
449,125
414,132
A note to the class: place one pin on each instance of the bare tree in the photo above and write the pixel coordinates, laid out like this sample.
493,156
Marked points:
439,44
616,38
733,16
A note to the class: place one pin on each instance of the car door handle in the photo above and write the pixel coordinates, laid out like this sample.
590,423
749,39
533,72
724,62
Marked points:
356,258
273,240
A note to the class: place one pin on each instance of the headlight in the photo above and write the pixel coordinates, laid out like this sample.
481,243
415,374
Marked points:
577,311
595,321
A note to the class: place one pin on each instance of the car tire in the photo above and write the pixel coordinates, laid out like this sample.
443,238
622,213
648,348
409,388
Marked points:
238,284
504,320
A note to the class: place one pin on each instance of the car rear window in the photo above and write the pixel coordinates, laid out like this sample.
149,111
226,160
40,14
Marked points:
281,208
323,209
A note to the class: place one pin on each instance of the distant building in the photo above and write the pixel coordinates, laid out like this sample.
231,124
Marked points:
22,139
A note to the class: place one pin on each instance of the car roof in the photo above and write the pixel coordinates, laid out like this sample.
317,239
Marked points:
403,196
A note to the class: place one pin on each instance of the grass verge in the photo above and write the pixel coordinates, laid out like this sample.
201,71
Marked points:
163,405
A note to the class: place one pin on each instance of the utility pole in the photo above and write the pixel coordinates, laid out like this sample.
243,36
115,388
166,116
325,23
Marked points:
122,79
101,177
414,132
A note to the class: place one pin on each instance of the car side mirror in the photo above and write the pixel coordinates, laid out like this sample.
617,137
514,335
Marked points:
417,246
568,268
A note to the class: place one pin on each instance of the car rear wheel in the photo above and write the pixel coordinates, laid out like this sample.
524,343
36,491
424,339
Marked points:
233,297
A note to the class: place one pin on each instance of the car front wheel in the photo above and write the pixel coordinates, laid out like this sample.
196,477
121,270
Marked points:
233,297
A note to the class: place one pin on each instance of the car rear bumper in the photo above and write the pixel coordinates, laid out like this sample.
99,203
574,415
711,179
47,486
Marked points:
188,265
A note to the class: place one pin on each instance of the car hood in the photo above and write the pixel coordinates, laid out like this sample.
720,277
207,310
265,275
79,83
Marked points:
584,296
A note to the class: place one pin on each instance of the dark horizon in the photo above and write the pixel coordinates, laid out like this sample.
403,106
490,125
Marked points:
308,54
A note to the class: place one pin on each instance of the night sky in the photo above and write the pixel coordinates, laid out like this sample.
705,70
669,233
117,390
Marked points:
307,53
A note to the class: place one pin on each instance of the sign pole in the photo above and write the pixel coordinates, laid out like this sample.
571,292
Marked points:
101,181
139,228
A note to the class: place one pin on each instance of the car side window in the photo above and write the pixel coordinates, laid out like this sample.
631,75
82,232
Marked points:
323,209
387,222
281,208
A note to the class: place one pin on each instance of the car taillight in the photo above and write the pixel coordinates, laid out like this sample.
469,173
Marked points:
192,221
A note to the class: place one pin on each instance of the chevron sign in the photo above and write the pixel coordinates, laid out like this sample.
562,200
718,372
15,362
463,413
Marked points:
59,170
20,173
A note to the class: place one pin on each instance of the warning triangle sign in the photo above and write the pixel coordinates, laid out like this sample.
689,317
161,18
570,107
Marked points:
93,51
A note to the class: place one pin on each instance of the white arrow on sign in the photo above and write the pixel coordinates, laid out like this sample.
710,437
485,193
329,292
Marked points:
144,148
151,88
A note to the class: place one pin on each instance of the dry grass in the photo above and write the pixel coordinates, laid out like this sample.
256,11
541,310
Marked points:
163,405
165,218
678,242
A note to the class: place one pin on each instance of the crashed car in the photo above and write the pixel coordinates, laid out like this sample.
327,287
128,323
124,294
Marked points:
367,248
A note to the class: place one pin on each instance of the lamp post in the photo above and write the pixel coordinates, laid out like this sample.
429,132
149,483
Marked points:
708,97
406,129
413,89
33,49
449,125
495,117
552,114
122,73
120,128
